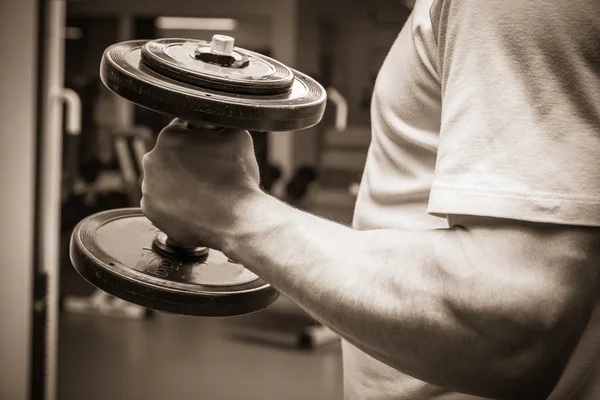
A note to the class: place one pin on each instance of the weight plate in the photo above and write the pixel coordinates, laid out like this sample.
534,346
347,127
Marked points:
113,251
124,73
176,59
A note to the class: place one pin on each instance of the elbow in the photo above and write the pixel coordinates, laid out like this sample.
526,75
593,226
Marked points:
525,375
535,384
533,365
527,350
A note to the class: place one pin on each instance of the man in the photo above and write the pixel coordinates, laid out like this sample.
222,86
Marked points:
473,268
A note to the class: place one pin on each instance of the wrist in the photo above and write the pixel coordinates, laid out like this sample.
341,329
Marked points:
251,219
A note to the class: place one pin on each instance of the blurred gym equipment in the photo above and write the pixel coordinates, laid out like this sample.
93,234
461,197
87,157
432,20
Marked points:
130,146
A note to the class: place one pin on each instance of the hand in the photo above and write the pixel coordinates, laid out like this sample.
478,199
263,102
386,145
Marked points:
197,181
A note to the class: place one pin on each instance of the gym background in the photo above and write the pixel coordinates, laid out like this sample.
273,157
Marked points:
71,148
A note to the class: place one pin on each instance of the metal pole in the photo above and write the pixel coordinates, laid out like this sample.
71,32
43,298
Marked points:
50,182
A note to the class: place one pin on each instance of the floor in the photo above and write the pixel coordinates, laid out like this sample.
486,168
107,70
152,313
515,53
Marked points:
176,357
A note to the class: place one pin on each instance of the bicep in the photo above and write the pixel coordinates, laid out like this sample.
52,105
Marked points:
541,277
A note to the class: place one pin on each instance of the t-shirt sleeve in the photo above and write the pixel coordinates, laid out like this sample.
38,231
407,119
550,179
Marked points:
520,129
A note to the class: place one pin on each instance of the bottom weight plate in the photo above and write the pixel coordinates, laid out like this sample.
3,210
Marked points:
113,251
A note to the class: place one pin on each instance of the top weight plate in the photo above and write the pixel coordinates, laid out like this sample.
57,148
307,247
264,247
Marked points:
207,95
177,59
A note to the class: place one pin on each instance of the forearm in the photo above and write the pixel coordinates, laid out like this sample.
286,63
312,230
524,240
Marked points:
413,300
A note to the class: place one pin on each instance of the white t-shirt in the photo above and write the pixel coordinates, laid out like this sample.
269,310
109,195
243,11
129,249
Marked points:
489,108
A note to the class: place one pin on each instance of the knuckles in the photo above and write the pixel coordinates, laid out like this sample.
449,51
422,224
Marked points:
242,138
146,160
147,209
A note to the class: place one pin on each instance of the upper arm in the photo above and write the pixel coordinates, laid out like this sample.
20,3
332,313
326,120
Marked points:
518,164
519,151
552,270
529,288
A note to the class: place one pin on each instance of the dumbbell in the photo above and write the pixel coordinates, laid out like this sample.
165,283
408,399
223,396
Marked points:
210,84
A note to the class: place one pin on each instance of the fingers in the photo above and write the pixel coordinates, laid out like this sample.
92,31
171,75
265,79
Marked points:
179,123
204,127
180,132
179,126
